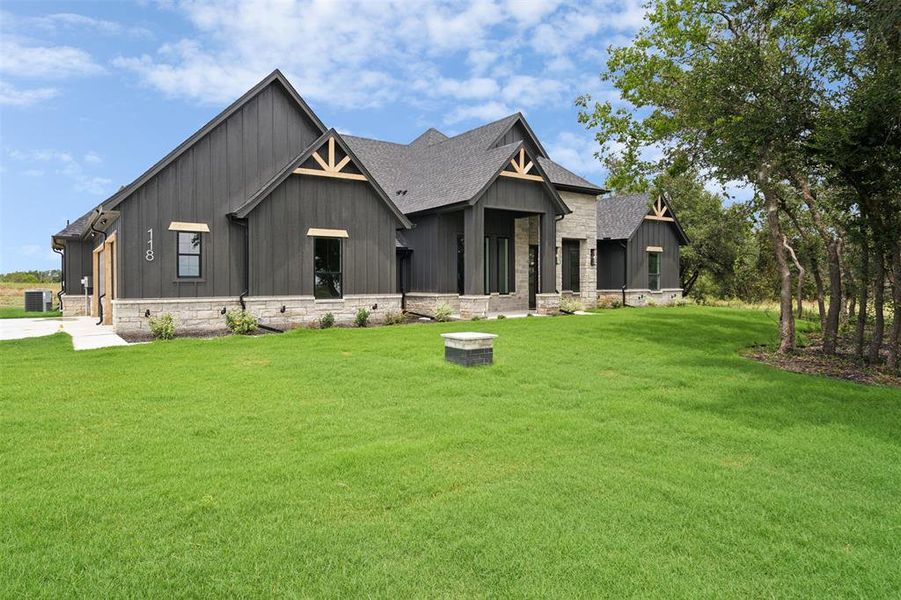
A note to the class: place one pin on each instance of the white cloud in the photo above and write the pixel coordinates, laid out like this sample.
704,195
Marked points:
576,153
488,111
92,158
53,24
526,91
65,165
11,95
44,62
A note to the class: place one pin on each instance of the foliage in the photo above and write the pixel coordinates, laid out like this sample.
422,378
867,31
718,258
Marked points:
51,276
393,318
477,318
361,319
253,449
162,327
443,312
569,305
608,302
327,320
502,316
240,322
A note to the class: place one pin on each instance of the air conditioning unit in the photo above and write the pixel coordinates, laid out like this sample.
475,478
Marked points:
38,300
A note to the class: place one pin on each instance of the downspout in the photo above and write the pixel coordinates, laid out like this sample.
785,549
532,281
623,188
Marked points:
99,298
62,275
242,223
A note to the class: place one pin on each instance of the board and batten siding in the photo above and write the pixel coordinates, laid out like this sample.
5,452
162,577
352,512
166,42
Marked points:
653,233
281,253
78,264
611,258
209,180
433,263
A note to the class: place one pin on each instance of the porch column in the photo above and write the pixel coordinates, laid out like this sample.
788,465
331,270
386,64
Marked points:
548,253
474,250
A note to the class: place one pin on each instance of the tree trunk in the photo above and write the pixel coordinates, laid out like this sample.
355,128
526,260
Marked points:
833,254
786,316
864,297
690,284
896,306
798,266
818,280
878,305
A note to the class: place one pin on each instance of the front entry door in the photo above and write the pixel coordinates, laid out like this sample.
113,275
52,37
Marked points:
533,275
570,266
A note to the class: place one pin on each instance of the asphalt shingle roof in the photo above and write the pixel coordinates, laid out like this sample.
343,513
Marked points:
619,216
78,227
434,170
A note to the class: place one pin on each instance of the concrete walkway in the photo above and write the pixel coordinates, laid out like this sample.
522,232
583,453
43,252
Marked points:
85,334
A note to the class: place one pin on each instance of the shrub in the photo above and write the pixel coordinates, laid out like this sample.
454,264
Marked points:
501,317
361,319
327,320
569,305
393,318
443,312
609,302
650,302
240,322
162,327
477,317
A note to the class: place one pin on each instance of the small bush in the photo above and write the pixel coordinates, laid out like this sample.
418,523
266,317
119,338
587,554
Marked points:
393,318
162,327
609,302
477,317
327,320
240,322
650,302
569,305
361,319
443,312
501,317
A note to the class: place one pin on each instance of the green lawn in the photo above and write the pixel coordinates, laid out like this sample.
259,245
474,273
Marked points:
631,452
12,312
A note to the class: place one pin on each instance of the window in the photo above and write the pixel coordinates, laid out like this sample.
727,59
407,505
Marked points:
654,271
189,249
487,265
503,265
326,267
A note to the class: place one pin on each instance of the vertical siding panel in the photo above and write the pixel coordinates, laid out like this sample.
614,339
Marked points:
250,141
220,230
265,136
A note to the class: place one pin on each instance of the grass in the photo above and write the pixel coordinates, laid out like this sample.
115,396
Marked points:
12,294
13,312
626,453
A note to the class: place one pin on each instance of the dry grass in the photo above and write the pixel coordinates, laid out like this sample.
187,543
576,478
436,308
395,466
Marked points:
11,294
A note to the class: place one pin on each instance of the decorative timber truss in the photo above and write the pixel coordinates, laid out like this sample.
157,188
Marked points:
520,167
659,212
332,165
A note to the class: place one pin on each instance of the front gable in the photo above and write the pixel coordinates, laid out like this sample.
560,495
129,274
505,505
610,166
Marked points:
660,211
519,131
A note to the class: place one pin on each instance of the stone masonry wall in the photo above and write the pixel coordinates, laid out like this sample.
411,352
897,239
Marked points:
204,315
582,225
639,297
74,306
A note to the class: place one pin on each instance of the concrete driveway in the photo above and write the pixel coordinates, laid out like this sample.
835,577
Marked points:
86,335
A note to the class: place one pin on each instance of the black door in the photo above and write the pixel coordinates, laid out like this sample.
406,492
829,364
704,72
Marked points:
533,275
570,265
461,262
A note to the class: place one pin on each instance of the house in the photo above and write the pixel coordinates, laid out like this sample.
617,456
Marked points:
267,209
638,250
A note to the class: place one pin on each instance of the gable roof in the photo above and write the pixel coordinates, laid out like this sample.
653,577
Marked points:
431,172
620,216
566,179
301,158
428,137
275,77
78,228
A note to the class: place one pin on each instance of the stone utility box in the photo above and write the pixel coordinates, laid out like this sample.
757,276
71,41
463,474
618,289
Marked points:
469,348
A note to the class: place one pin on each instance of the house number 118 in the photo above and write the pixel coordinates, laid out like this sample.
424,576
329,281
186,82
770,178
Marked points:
148,256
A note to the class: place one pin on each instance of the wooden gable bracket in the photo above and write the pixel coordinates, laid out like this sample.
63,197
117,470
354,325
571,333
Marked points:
659,211
521,168
329,168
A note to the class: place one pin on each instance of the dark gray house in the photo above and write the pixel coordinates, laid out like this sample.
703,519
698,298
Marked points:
267,209
638,250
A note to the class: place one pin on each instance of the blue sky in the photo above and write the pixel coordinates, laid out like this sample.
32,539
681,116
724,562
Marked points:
92,94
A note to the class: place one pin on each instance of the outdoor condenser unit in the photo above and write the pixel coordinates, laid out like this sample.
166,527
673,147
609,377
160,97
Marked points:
38,300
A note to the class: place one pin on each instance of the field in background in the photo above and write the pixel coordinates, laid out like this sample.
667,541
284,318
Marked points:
631,452
13,294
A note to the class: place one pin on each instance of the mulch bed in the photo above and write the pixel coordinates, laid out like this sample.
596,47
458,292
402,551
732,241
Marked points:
811,360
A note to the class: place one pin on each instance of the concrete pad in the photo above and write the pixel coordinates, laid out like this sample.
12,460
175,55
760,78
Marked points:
85,333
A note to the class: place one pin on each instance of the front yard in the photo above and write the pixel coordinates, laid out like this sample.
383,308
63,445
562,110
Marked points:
630,452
